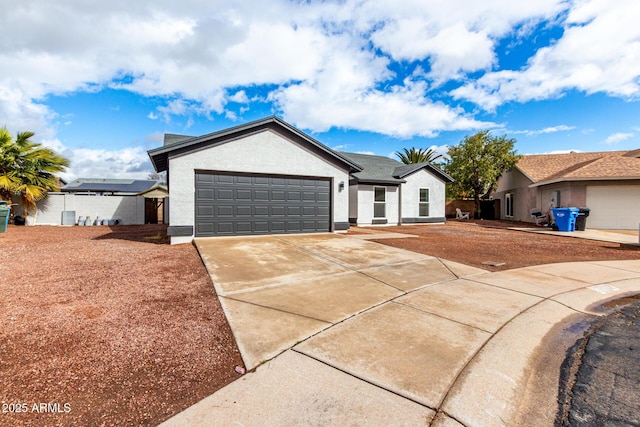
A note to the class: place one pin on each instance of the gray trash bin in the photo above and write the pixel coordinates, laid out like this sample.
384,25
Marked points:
4,216
581,220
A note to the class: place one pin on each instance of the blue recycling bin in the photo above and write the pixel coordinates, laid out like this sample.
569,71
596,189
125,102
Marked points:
565,218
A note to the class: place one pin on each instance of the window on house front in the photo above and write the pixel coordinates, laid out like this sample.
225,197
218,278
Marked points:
423,206
508,205
379,202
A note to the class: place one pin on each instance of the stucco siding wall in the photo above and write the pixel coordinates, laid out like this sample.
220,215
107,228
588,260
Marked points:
266,153
128,209
411,195
525,198
353,201
365,204
572,194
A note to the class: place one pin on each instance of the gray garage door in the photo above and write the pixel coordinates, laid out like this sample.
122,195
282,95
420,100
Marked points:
236,204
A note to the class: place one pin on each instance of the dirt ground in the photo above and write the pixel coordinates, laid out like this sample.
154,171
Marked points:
106,326
475,242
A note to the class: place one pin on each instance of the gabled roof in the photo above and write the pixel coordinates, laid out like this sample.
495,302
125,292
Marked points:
180,144
406,170
544,169
384,170
158,191
375,169
133,186
172,138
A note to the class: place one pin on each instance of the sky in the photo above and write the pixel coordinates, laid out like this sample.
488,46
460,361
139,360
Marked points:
101,81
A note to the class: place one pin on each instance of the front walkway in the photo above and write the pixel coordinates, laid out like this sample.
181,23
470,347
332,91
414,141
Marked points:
625,237
342,331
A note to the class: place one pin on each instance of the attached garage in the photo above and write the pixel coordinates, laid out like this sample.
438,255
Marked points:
614,207
263,177
229,204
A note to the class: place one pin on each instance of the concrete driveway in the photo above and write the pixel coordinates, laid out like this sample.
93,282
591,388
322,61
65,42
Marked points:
346,331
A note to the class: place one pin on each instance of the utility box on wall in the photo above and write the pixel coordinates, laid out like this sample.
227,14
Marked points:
68,218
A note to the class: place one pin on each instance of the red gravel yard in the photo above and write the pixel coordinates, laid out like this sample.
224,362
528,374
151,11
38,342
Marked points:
106,326
475,242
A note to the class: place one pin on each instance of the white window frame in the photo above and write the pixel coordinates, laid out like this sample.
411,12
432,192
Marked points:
508,205
378,203
422,203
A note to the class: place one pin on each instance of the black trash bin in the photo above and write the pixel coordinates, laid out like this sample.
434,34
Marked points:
581,220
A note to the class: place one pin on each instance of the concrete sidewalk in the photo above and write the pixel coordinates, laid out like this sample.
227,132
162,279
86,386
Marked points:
342,331
599,235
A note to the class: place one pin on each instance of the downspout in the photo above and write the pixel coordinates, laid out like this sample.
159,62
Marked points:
400,204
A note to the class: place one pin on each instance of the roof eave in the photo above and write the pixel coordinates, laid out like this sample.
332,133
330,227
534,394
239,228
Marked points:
592,178
380,182
159,156
431,167
525,174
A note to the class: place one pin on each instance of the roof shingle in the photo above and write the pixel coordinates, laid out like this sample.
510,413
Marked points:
595,165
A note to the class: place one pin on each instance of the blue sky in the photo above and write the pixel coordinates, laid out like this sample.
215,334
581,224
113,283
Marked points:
101,82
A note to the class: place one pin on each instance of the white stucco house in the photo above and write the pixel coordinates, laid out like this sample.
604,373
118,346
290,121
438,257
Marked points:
267,177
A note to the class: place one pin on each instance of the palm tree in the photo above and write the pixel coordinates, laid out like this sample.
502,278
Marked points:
420,155
27,170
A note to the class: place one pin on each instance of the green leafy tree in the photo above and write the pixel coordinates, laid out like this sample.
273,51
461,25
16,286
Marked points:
477,163
27,170
420,155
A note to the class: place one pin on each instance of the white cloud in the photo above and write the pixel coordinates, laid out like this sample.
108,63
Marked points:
617,137
239,97
551,129
401,112
152,116
191,55
130,162
598,52
99,163
455,36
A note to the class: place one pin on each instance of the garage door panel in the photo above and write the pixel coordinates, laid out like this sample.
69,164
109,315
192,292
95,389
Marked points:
309,196
221,211
223,194
228,204
262,195
323,197
261,211
294,226
278,227
293,196
309,211
205,178
294,211
215,180
243,211
277,210
277,195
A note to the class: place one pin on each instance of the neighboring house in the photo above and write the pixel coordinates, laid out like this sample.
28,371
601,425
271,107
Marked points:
608,183
126,200
267,177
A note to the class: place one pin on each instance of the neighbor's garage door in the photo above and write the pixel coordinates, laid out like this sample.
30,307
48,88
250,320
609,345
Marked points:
615,207
237,204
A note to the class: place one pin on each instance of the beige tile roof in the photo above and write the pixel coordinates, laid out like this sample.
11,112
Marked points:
598,165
